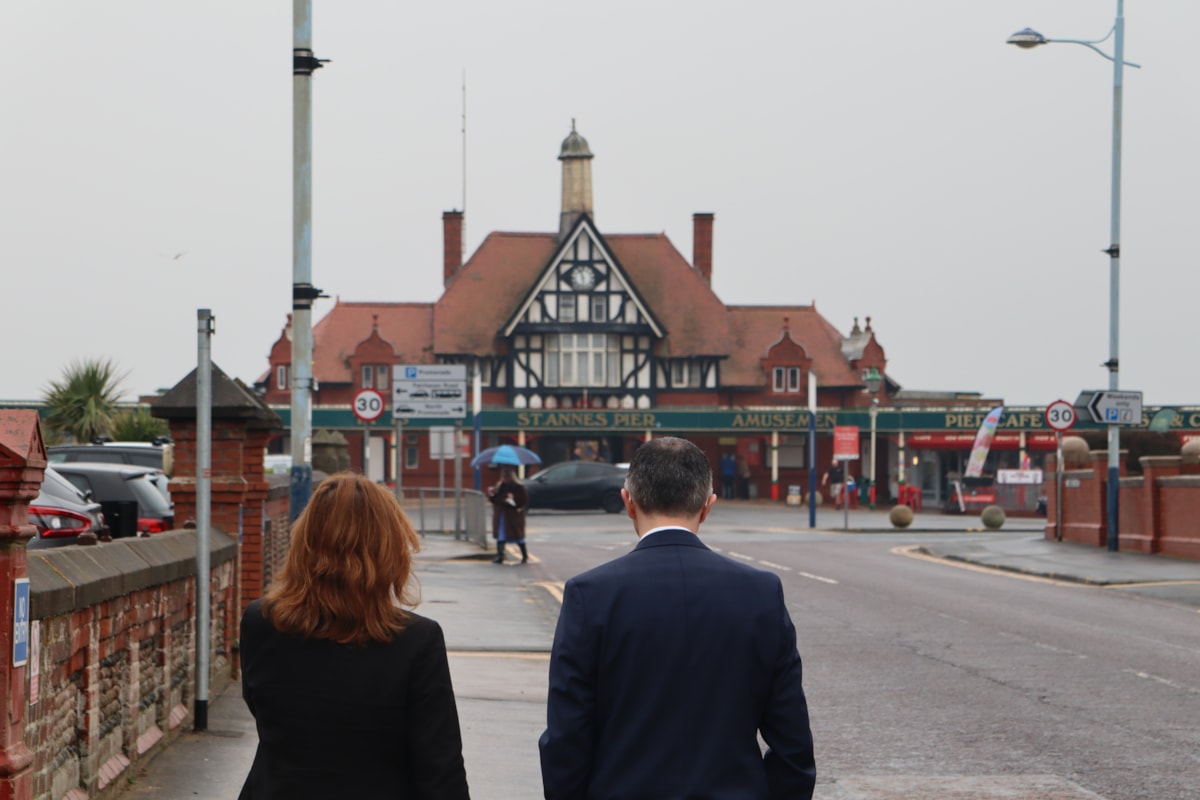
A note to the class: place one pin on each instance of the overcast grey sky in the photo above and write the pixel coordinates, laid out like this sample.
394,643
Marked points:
883,158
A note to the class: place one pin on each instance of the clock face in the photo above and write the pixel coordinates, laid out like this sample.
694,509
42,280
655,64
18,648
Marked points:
582,277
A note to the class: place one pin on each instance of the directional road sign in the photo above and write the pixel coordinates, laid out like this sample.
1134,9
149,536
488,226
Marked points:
1116,408
429,390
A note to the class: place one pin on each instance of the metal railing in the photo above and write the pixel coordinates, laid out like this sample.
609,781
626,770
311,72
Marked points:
434,510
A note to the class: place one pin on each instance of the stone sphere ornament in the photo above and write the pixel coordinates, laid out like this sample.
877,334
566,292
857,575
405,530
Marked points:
901,516
992,518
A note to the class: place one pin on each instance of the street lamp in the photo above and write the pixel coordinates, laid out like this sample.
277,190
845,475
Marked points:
872,379
1027,39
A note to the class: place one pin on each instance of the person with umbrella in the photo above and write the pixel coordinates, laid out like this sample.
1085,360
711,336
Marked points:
509,500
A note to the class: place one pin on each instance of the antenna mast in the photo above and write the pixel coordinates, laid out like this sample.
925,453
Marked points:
463,243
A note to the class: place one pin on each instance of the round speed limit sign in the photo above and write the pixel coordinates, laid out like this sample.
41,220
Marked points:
1060,415
368,405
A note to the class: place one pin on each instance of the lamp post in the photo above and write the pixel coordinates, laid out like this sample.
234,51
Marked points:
1028,39
873,380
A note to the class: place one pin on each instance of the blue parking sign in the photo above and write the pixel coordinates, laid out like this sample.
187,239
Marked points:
21,623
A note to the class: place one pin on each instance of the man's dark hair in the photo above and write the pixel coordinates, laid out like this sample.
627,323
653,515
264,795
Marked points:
669,475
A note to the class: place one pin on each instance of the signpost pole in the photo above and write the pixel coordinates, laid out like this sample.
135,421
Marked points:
458,509
366,450
399,448
1058,485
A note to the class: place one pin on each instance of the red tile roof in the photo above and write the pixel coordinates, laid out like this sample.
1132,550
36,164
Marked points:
755,329
406,326
485,291
676,294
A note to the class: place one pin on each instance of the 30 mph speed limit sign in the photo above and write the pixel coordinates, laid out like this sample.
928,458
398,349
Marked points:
368,405
1060,415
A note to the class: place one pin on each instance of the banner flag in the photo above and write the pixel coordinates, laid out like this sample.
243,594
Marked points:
983,441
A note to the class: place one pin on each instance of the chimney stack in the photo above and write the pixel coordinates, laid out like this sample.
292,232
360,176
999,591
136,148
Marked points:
702,233
452,244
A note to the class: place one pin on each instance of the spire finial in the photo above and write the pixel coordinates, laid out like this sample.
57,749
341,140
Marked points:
868,324
572,124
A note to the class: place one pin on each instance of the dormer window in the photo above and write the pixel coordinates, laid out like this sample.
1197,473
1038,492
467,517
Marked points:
785,379
376,376
281,377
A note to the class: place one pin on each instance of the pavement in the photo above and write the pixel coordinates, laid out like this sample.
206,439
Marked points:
499,625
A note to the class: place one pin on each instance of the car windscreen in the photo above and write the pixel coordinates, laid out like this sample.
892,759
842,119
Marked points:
149,498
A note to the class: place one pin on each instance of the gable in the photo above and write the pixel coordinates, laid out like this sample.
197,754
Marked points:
583,267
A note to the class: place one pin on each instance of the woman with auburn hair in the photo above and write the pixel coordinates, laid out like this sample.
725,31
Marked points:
350,691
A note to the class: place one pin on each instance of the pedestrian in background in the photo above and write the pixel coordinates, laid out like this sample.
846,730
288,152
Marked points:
509,500
834,478
729,472
670,661
350,691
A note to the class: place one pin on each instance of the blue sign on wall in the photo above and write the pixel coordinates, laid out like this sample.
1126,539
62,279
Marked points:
21,623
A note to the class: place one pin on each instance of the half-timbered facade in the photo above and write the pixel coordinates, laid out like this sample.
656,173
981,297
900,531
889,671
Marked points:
613,328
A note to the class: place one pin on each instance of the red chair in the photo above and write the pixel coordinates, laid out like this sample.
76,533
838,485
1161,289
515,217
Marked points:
910,496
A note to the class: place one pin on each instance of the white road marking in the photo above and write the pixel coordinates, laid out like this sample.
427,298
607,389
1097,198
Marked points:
741,556
773,565
1163,681
816,577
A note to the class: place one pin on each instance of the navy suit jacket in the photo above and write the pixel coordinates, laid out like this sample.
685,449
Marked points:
667,663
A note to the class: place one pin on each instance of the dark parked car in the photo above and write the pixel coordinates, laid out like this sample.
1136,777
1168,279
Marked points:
578,485
158,456
133,503
60,512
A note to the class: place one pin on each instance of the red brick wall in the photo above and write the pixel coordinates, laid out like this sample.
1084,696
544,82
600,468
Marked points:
116,678
1180,536
1158,513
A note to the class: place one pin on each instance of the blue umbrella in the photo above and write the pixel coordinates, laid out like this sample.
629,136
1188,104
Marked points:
509,454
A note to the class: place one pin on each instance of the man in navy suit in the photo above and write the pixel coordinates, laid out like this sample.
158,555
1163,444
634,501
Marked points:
669,661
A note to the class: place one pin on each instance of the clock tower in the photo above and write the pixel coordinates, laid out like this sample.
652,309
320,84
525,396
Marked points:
576,159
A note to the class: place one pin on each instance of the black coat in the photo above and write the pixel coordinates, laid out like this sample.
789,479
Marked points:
351,721
512,514
667,663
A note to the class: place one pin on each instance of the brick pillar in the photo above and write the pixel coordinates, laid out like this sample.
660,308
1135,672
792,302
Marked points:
702,238
452,244
22,465
1153,468
241,425
1050,476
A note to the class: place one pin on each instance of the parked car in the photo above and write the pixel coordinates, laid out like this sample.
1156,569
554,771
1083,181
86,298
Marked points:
158,456
133,503
578,485
60,512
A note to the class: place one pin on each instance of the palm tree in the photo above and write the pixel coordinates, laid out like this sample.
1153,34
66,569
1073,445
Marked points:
83,402
136,425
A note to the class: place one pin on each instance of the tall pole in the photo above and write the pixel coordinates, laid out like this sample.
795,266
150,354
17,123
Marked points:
303,293
1114,272
204,330
477,419
871,477
812,449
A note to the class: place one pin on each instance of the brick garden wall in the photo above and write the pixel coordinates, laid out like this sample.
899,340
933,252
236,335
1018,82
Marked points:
1158,512
115,669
